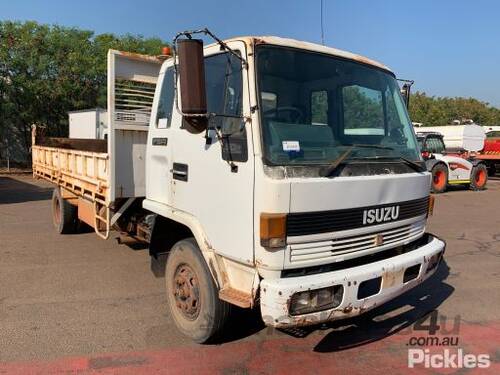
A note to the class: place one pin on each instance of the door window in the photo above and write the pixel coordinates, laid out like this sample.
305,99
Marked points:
223,76
165,106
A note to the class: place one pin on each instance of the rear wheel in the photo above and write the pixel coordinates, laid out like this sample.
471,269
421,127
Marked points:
64,214
439,178
479,177
192,295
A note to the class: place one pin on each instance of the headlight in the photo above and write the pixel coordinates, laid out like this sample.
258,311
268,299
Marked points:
316,300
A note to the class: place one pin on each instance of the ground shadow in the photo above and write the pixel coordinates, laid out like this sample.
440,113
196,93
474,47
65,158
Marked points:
16,191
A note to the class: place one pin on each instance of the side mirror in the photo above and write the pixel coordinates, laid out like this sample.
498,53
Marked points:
192,84
405,92
192,76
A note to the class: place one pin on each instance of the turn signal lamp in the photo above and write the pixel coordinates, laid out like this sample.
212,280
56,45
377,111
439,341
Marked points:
430,208
272,230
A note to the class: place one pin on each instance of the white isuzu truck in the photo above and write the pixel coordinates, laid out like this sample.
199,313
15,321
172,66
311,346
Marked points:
271,173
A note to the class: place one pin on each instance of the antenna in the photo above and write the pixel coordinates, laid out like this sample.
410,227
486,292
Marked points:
322,32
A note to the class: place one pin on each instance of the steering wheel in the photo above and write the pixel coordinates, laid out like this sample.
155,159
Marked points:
295,114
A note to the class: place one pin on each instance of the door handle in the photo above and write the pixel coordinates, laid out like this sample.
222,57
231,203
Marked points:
180,172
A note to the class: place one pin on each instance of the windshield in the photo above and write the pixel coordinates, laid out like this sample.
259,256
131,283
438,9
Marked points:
314,107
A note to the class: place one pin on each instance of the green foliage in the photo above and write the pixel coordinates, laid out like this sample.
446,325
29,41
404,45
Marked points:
46,71
435,111
362,110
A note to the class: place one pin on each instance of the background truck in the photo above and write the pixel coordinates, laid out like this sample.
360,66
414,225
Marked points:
490,154
452,166
468,138
271,174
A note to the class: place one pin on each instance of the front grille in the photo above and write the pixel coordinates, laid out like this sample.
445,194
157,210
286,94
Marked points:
326,250
304,223
358,261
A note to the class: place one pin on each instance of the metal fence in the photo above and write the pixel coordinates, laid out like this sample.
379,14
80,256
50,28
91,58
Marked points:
7,165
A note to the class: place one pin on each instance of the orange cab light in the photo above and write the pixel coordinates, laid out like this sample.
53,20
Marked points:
272,230
430,208
165,51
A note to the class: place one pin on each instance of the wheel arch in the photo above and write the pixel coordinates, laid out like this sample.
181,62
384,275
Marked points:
165,233
431,163
476,162
228,274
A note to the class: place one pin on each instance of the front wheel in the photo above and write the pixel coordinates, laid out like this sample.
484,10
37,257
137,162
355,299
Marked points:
192,295
479,177
439,178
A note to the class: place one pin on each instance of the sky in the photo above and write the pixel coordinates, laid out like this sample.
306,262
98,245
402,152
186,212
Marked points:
450,48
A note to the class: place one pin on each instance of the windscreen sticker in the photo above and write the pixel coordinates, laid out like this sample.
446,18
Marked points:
291,146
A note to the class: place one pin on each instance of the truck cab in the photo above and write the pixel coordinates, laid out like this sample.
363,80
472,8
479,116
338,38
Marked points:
305,190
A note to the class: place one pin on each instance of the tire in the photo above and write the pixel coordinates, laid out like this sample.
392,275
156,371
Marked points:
193,297
439,178
64,214
479,177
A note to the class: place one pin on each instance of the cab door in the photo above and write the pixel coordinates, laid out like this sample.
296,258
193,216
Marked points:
213,178
160,144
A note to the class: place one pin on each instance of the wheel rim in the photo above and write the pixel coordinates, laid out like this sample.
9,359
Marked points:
439,179
186,292
480,178
57,212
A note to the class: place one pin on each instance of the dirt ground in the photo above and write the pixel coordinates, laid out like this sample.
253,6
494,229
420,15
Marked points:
78,303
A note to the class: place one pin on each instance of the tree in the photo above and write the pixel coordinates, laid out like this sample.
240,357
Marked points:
46,71
435,111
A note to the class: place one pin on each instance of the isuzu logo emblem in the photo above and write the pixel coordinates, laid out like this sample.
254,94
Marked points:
380,215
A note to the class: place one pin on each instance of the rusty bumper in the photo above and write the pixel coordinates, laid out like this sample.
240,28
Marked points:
276,293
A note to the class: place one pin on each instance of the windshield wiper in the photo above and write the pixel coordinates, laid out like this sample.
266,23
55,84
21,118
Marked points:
415,166
335,163
351,147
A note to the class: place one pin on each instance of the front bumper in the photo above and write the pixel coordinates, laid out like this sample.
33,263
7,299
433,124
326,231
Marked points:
275,294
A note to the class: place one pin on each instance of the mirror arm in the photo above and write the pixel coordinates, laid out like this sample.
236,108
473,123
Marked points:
189,35
225,47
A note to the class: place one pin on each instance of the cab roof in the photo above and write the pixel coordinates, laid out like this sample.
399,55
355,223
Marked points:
287,42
